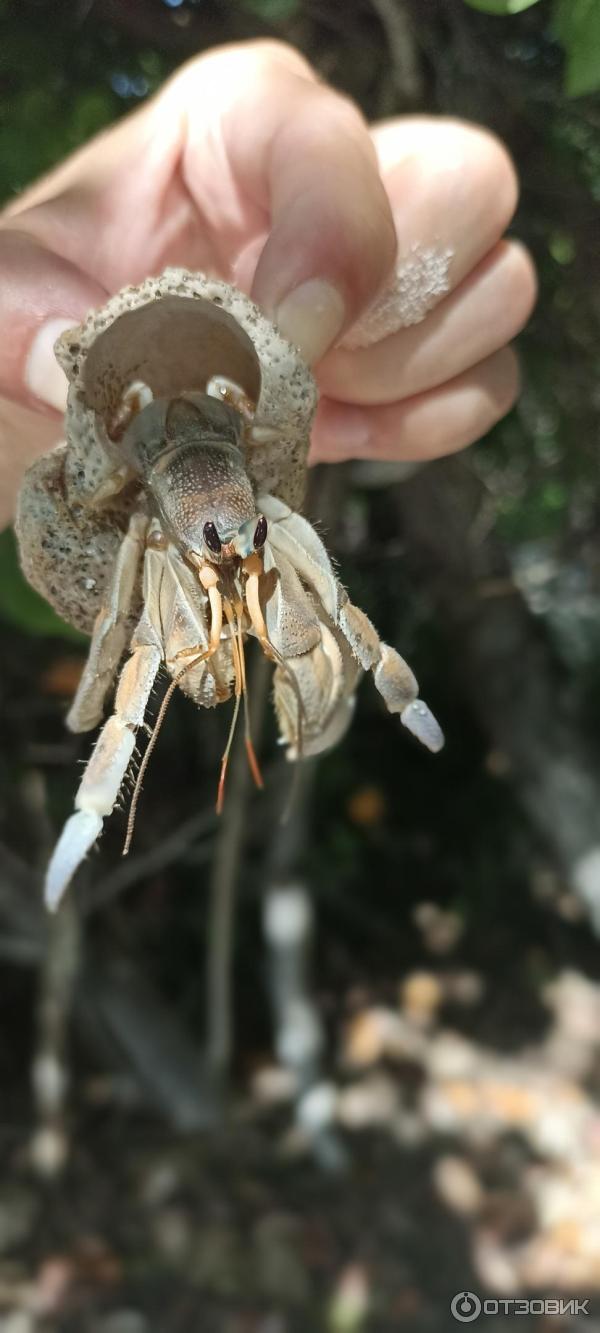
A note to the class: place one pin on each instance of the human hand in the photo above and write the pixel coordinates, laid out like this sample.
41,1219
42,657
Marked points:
246,166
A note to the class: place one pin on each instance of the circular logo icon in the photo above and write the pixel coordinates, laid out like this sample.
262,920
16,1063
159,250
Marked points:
465,1306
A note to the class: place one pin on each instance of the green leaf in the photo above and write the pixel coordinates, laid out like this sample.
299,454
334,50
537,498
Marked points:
576,24
501,6
562,247
20,604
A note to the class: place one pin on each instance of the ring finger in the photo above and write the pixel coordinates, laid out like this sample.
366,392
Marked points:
423,426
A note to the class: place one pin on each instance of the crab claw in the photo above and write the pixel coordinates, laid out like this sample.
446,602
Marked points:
419,719
95,800
396,682
79,834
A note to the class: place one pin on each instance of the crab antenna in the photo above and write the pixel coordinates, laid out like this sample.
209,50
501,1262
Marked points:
239,685
250,751
239,663
152,742
225,759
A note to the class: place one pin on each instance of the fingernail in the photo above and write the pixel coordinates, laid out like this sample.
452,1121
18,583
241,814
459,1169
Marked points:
43,376
311,317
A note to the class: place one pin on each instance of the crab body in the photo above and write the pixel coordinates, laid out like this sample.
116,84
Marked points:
188,453
167,526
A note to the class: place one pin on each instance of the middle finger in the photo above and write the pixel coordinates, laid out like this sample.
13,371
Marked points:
484,313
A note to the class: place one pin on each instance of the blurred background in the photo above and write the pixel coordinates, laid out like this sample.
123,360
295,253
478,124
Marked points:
322,1076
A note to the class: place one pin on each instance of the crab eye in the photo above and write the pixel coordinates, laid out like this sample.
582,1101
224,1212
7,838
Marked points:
211,537
260,533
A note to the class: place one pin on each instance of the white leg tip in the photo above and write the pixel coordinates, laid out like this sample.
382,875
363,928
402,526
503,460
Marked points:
419,719
79,834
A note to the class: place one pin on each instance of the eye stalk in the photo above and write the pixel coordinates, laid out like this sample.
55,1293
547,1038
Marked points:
250,537
260,533
211,538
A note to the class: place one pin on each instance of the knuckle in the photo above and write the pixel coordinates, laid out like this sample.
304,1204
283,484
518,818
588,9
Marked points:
259,57
268,53
346,113
273,50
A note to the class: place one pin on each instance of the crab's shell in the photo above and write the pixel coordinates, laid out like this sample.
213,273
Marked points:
174,333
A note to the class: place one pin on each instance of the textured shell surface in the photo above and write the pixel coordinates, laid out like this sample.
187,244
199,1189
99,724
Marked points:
174,333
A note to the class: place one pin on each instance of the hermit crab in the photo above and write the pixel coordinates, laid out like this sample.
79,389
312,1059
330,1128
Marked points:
167,526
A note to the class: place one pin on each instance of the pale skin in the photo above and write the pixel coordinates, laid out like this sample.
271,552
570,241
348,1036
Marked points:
247,166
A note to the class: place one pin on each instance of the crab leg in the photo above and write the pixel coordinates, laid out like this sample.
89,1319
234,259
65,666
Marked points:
110,632
111,756
292,535
325,679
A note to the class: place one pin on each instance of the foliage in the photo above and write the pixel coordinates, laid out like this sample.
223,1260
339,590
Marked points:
62,82
576,24
501,6
20,605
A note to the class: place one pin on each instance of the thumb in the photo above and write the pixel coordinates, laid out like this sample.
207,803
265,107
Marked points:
42,295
